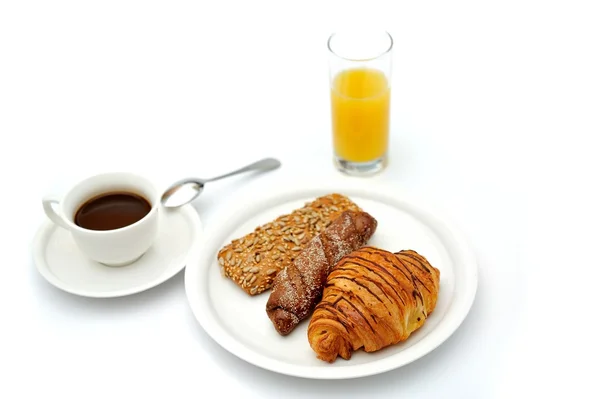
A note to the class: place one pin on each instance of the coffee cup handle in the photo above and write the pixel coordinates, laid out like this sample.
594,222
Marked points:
49,203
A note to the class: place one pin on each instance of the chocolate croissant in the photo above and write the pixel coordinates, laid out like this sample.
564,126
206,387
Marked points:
372,299
298,287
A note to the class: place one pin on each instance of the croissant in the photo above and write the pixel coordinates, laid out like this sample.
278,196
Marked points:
298,287
372,299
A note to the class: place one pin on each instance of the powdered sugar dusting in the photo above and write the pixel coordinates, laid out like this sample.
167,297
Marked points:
342,238
290,298
313,266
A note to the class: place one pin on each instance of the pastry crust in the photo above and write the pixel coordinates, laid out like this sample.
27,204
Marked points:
253,261
372,299
298,288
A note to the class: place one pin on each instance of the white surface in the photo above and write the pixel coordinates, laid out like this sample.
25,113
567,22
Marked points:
494,119
240,324
60,261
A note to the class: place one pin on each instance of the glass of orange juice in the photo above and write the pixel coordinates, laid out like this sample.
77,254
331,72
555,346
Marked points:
360,65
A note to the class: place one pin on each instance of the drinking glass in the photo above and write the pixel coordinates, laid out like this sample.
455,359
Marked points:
360,65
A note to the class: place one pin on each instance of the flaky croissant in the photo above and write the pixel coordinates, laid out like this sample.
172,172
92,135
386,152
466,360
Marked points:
372,299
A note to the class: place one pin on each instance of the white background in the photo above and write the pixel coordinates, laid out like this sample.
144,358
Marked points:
495,119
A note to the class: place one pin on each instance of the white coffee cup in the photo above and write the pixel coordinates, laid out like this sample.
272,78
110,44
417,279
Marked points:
118,247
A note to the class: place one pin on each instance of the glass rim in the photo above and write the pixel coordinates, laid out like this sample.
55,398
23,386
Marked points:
387,51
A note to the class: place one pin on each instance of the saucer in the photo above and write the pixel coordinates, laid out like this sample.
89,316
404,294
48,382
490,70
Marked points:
62,264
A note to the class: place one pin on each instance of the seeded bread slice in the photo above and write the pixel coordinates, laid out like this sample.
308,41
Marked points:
253,261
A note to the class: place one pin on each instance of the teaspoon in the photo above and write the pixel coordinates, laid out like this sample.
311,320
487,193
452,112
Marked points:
186,190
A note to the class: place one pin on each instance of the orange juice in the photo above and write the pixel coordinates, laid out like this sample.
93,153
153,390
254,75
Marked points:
360,106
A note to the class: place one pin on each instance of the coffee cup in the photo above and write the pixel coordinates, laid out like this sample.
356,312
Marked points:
112,217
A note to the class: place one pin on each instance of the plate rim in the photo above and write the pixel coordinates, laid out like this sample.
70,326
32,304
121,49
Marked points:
47,228
372,190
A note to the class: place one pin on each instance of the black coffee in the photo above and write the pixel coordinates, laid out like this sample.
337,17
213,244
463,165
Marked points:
112,211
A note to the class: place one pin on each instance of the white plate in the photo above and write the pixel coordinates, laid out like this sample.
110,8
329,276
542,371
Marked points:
59,260
240,324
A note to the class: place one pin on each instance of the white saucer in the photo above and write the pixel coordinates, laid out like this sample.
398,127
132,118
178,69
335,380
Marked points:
59,260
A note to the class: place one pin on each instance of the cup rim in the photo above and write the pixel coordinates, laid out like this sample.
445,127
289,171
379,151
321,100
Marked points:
155,202
387,51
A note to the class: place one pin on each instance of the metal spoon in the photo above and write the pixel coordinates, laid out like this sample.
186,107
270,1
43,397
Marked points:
186,190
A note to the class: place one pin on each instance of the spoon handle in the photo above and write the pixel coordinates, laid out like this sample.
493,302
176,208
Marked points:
263,165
